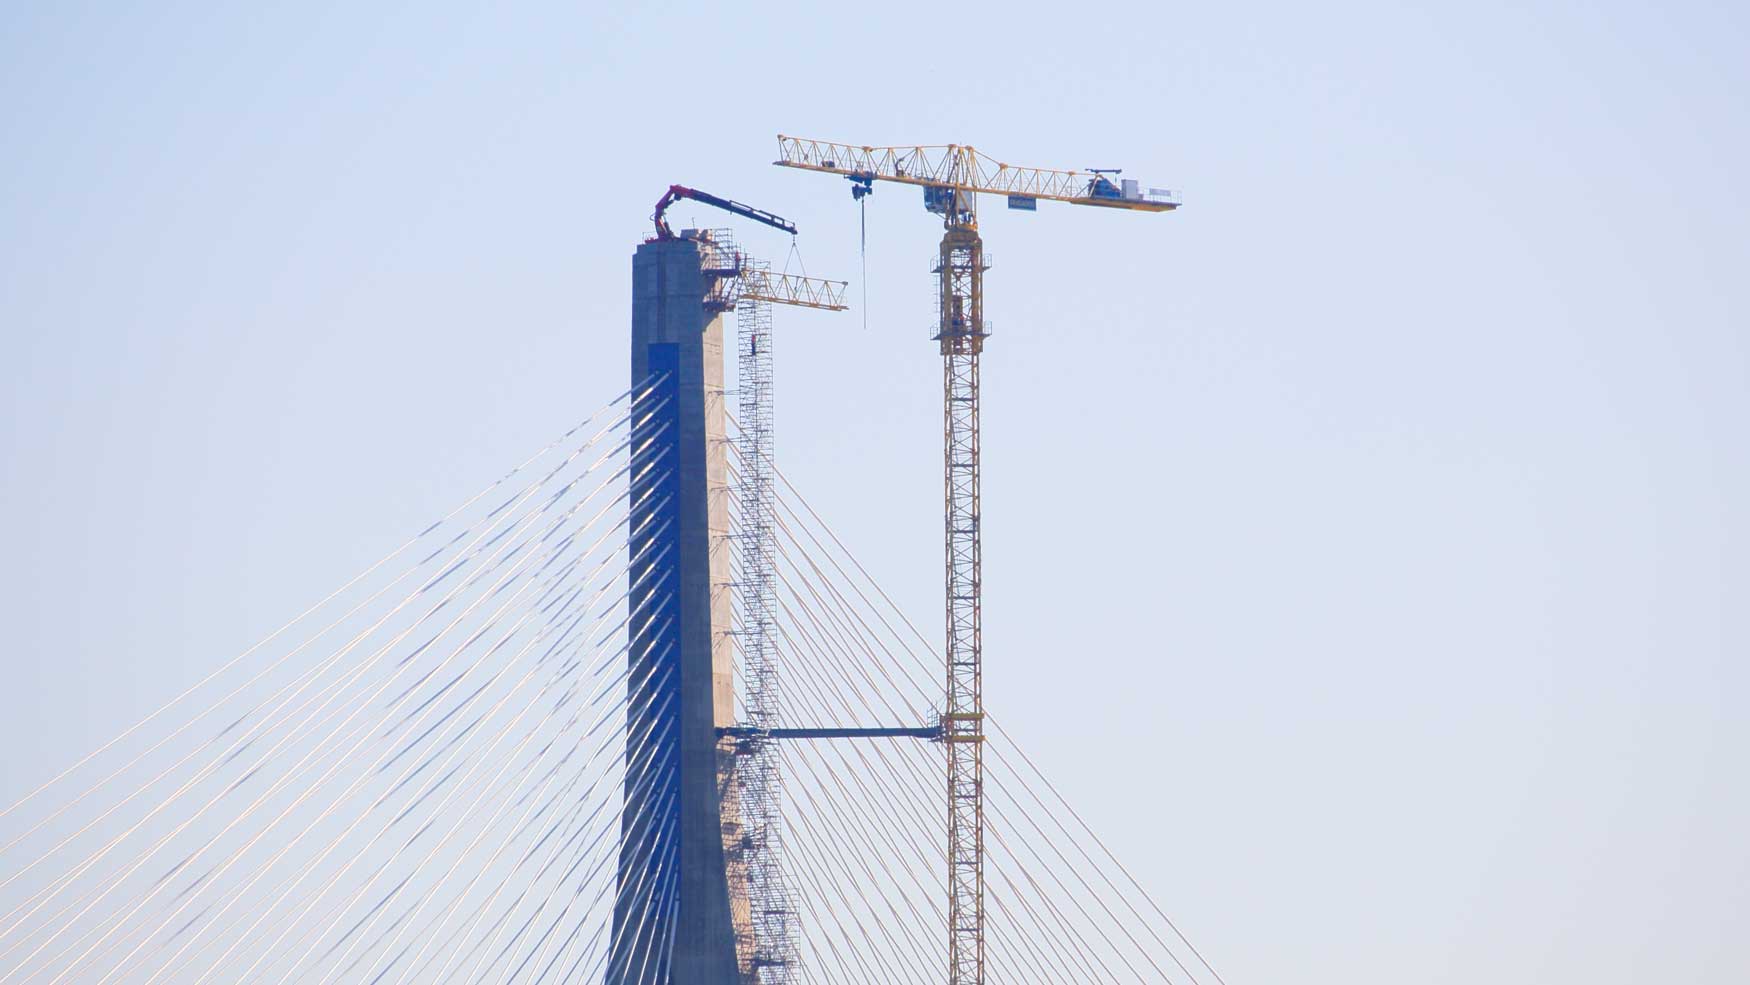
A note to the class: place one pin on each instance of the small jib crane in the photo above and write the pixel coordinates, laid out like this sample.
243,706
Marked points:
738,277
952,176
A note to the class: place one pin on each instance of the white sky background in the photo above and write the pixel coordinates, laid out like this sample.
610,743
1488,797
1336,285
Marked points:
1365,542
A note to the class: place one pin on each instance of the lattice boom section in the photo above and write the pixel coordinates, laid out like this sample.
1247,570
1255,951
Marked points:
961,332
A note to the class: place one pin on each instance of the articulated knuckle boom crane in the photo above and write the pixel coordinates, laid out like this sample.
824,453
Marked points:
677,192
952,176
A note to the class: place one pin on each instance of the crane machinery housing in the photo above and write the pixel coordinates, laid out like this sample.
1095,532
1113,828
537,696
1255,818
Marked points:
952,176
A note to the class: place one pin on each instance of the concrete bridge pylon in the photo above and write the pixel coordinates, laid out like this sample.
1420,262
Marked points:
681,915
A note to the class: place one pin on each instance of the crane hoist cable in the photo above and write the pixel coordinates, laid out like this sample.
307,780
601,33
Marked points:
862,186
863,249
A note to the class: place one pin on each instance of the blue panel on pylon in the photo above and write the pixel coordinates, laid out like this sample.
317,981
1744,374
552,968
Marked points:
654,558
649,824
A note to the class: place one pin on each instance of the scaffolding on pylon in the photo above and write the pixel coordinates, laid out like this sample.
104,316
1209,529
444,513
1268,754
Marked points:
772,953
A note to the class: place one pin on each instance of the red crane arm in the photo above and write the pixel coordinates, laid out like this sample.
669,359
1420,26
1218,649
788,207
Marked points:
677,192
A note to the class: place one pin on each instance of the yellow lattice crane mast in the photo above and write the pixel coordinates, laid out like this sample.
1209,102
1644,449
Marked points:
952,176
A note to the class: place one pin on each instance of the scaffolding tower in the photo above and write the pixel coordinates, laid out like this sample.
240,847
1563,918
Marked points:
773,950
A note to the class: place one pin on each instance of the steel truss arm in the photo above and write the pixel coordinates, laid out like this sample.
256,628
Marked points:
965,169
752,732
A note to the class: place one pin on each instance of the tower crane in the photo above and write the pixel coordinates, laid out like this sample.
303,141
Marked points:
952,176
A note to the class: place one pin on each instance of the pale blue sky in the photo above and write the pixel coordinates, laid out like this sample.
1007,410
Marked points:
1366,541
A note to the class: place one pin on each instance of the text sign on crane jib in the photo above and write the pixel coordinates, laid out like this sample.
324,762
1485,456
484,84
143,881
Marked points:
1026,203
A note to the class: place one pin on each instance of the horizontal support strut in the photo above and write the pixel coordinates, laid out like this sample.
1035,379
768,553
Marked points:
750,732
